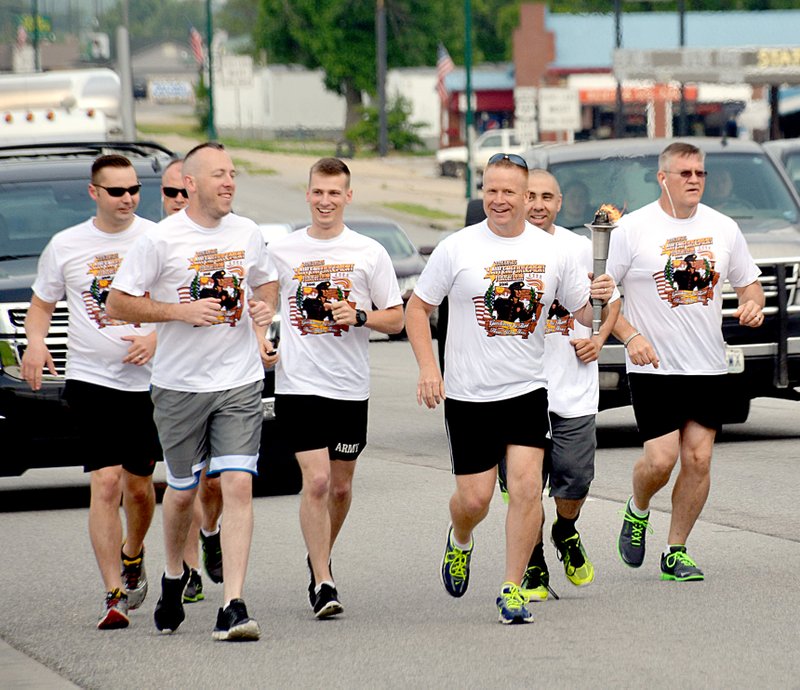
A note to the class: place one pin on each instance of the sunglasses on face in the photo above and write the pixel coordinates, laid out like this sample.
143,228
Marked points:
687,174
120,191
172,192
511,158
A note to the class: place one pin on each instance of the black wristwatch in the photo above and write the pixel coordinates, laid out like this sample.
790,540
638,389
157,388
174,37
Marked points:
361,318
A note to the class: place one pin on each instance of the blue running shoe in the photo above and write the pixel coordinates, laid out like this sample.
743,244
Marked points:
455,567
511,605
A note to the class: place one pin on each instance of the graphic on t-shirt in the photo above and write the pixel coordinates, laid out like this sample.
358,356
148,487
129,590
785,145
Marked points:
688,276
511,304
559,319
218,275
318,285
103,268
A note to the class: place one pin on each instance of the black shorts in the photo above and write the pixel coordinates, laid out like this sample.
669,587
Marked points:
115,427
480,432
311,422
663,403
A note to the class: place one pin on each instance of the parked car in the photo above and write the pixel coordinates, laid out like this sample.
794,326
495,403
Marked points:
757,194
787,153
452,161
43,191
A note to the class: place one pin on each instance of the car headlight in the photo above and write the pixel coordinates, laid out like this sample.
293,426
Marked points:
408,283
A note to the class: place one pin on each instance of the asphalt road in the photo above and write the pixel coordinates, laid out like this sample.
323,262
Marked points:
400,629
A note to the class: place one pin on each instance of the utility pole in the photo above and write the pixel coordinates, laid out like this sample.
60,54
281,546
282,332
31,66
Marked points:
380,33
619,125
682,116
37,57
468,92
212,130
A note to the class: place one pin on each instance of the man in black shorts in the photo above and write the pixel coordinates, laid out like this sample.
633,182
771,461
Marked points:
108,379
676,360
496,398
322,377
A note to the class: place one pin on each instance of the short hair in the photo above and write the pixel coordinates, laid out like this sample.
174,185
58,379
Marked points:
188,163
678,149
110,160
330,167
541,172
172,164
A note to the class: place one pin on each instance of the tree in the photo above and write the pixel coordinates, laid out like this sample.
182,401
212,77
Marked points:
339,37
402,133
152,21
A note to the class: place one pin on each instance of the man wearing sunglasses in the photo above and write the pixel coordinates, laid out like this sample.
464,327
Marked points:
208,504
672,258
174,196
494,391
107,379
207,375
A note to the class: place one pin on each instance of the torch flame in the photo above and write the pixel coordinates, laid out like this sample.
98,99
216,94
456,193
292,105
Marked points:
614,214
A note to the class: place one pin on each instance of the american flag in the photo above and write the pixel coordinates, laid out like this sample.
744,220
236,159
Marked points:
196,43
444,65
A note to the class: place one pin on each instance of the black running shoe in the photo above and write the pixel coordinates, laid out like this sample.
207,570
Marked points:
233,623
194,588
169,612
312,582
631,542
679,567
327,602
212,556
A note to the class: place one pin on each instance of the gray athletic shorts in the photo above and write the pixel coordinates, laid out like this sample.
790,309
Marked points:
220,430
569,461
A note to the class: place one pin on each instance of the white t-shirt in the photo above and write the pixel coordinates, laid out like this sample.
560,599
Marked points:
499,290
672,272
572,386
319,357
180,261
81,262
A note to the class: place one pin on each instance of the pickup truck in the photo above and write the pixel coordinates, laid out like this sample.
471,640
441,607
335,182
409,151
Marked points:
761,199
452,161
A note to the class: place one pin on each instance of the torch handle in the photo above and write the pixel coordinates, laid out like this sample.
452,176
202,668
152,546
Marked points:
599,268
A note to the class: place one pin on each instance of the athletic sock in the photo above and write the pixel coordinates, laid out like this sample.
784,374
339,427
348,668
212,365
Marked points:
463,547
537,557
563,527
672,548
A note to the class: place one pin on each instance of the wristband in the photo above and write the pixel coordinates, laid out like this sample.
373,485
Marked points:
629,338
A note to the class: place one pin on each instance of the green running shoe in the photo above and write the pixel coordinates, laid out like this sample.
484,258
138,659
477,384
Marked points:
679,567
577,566
455,567
631,542
511,605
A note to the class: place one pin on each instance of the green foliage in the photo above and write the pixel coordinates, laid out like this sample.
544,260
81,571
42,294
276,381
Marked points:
401,133
153,21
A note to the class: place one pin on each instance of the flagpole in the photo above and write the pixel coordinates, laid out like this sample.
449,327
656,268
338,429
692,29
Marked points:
468,71
212,130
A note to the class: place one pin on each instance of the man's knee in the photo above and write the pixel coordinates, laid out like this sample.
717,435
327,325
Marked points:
316,483
106,485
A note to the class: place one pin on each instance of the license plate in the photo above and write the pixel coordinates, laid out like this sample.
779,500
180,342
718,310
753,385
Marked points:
735,357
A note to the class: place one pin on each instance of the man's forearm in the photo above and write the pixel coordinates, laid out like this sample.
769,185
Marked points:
121,305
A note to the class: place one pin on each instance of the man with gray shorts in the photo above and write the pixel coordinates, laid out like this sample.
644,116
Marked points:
571,352
200,275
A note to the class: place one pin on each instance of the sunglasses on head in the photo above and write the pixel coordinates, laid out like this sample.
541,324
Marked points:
511,158
172,192
687,174
120,191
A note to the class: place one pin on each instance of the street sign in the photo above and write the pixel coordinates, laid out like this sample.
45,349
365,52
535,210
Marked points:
236,70
525,115
559,110
773,65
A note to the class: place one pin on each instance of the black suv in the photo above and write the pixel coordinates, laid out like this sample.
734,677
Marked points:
43,189
755,192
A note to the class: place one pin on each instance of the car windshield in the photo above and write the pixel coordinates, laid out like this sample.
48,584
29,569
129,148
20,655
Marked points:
32,212
743,186
393,239
792,163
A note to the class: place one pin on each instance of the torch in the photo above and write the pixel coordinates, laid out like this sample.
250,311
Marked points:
605,220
